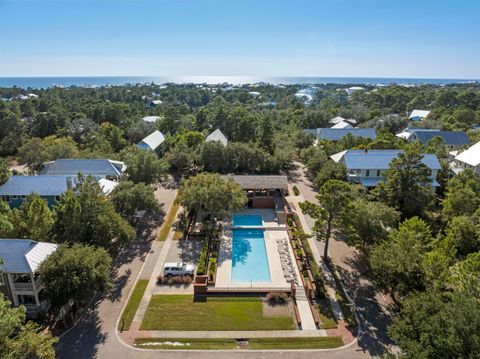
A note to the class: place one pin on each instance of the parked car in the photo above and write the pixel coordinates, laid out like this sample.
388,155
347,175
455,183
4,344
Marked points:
171,269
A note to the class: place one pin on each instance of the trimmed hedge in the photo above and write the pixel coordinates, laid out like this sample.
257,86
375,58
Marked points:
202,264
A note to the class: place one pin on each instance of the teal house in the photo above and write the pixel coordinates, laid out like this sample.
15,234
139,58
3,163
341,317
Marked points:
50,188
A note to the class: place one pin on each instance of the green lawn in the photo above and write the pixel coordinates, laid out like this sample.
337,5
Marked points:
133,304
324,310
180,312
169,219
253,344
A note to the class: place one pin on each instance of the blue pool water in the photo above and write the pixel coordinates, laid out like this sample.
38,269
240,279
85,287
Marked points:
247,220
249,257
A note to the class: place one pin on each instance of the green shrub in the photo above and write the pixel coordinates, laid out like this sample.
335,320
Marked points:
296,191
202,264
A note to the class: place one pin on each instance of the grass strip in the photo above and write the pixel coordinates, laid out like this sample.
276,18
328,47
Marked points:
252,344
169,219
132,305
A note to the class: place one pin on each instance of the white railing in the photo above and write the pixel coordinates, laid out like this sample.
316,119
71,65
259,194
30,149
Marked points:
27,286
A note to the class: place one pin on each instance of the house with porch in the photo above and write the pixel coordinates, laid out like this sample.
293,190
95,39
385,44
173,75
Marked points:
469,158
267,191
49,188
20,281
98,168
367,167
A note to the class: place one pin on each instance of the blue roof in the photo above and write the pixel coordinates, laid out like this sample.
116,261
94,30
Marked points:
72,167
41,185
455,138
336,134
380,159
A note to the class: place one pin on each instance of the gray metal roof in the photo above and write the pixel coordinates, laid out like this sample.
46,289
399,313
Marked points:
94,167
259,181
23,255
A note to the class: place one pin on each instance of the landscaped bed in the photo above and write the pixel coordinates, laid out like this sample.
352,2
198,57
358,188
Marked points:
180,312
167,224
252,344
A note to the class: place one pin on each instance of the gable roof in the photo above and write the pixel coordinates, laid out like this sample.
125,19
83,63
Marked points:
94,167
342,124
470,156
259,181
24,255
217,135
335,134
378,159
41,185
152,141
338,119
456,138
417,115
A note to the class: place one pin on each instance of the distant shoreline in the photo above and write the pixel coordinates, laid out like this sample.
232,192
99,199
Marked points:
45,82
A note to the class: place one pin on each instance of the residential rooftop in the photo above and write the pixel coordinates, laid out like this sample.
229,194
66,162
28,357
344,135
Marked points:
94,167
336,134
259,182
152,141
23,255
217,135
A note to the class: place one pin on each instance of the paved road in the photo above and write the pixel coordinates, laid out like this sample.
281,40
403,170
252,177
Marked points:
95,335
371,305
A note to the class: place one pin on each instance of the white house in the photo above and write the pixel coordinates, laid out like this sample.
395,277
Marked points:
151,118
468,159
19,278
418,115
217,135
152,141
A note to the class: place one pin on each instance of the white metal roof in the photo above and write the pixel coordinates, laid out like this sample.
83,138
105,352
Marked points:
24,255
107,186
153,140
342,124
217,135
151,118
337,119
337,157
470,156
419,114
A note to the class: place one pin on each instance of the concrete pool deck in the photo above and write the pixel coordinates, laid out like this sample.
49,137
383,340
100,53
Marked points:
272,232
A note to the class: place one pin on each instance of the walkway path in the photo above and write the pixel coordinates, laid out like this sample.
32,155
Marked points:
371,307
303,305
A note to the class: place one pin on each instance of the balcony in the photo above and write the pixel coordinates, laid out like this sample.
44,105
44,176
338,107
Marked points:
27,286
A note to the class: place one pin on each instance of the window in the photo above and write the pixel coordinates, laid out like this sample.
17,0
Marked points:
57,198
23,197
378,173
367,173
7,198
14,196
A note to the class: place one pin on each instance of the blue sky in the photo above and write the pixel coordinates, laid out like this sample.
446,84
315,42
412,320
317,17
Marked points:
382,38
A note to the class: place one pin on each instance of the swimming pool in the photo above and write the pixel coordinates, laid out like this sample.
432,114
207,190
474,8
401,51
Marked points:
249,257
247,220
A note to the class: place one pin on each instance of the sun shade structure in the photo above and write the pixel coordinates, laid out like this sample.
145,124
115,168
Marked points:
23,255
418,115
217,135
253,182
152,141
99,168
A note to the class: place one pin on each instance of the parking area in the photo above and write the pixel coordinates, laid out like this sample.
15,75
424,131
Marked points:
186,251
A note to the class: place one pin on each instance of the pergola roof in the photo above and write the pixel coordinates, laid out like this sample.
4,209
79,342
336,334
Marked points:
259,181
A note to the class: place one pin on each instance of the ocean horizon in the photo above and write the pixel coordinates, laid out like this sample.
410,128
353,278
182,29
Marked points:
67,81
